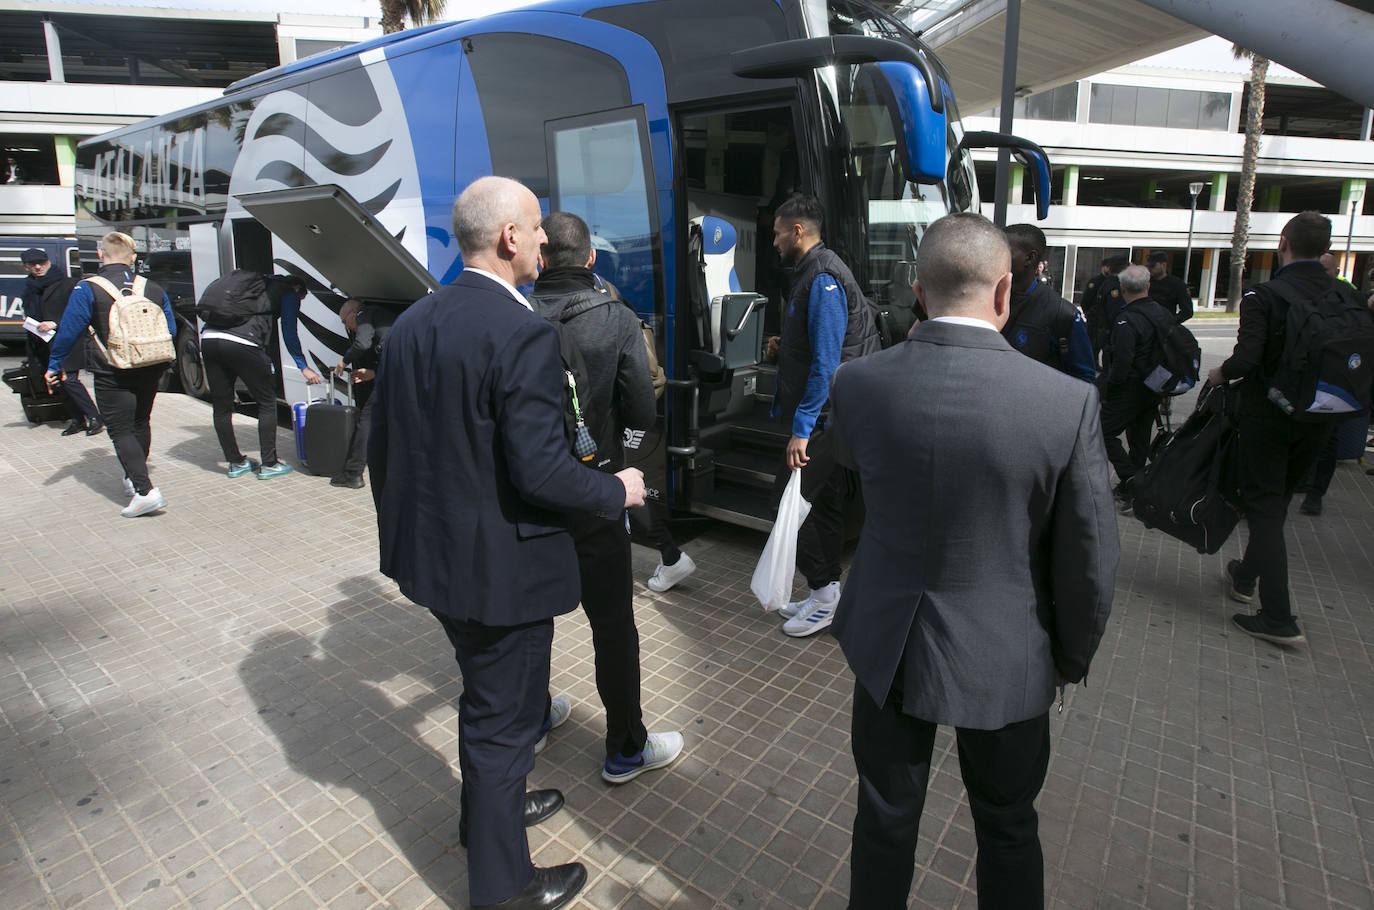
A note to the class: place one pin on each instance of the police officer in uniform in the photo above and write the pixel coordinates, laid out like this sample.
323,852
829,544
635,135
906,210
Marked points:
1043,325
1095,300
1167,289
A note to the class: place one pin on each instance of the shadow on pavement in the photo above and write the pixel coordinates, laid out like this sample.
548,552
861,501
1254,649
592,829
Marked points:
336,725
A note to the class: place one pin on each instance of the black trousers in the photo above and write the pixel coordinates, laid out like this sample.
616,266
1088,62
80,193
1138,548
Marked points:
357,446
1128,409
125,399
651,523
1323,469
825,484
79,404
1275,454
603,564
505,684
1003,771
226,361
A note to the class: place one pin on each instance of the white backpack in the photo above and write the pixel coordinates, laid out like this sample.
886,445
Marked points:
138,334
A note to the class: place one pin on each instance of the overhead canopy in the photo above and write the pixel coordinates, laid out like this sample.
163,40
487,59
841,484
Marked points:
1065,40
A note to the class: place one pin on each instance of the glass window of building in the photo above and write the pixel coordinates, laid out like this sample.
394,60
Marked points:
1056,104
1130,105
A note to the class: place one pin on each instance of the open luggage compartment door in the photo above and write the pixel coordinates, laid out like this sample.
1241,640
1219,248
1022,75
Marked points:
343,242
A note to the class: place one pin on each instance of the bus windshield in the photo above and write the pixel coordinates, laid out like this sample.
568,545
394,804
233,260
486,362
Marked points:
897,209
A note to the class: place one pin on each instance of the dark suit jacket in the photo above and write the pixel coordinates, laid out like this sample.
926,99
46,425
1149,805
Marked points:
989,549
470,467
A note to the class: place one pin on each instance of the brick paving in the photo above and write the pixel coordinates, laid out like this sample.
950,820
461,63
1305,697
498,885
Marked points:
227,706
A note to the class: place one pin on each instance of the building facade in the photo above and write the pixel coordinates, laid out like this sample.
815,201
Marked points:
1130,145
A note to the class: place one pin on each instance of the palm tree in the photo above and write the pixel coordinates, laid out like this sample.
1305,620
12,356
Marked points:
1245,193
419,12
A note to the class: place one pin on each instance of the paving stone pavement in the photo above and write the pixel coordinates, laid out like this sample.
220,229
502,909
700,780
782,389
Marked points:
225,705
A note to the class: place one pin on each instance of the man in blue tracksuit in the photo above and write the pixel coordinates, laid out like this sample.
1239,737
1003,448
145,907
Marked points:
1043,325
124,396
827,321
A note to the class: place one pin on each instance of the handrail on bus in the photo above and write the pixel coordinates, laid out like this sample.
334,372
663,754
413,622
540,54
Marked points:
787,58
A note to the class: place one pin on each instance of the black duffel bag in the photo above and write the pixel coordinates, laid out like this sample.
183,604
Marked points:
1189,488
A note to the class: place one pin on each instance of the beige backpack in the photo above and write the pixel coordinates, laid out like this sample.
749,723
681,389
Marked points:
138,328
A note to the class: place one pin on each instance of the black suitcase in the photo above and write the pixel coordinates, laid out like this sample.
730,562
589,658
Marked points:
328,432
1188,489
36,400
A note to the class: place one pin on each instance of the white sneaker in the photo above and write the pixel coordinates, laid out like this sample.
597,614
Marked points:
144,504
660,750
128,487
830,592
819,615
665,577
560,709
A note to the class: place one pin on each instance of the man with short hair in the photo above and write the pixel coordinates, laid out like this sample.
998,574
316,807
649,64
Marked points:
1043,325
1275,450
1096,297
1167,289
984,573
827,321
619,396
45,299
125,397
367,325
471,472
1128,405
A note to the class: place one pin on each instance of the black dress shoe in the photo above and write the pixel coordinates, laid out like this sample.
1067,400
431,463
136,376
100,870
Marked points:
539,805
76,426
550,889
95,429
347,480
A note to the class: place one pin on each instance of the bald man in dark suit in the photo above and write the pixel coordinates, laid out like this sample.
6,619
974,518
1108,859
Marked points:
983,576
471,474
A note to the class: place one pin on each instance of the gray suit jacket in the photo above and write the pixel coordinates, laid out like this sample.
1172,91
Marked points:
989,550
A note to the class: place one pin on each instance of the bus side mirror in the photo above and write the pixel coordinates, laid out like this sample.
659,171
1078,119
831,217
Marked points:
1029,155
919,127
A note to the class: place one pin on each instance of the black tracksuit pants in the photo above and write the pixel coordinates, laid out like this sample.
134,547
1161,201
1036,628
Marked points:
226,361
125,399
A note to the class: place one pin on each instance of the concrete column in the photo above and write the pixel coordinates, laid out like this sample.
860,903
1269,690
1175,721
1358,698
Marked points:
1070,268
1207,290
1273,200
1071,185
1218,201
1015,183
65,147
55,71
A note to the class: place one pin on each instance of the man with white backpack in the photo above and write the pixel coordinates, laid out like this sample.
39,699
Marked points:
131,347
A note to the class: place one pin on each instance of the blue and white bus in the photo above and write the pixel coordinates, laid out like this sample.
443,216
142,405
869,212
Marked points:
673,127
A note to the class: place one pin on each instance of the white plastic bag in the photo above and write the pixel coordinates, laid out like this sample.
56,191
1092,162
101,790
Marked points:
772,583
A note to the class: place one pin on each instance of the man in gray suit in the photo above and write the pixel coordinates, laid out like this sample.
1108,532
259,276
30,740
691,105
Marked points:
984,573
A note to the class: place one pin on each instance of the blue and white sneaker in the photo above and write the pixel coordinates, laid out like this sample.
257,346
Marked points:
815,613
274,470
660,750
560,709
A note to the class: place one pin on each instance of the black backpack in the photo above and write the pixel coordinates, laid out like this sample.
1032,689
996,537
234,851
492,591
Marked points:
580,424
1174,364
1326,370
233,299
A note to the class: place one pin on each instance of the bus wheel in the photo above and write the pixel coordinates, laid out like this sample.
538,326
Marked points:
190,370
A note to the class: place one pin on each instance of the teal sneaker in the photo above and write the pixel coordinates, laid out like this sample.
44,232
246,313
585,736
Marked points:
274,470
238,469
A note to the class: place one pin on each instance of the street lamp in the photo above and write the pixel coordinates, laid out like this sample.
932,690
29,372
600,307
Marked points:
1193,189
1356,197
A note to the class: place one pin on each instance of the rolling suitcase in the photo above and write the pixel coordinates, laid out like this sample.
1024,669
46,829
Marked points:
1187,490
1350,437
328,431
36,400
